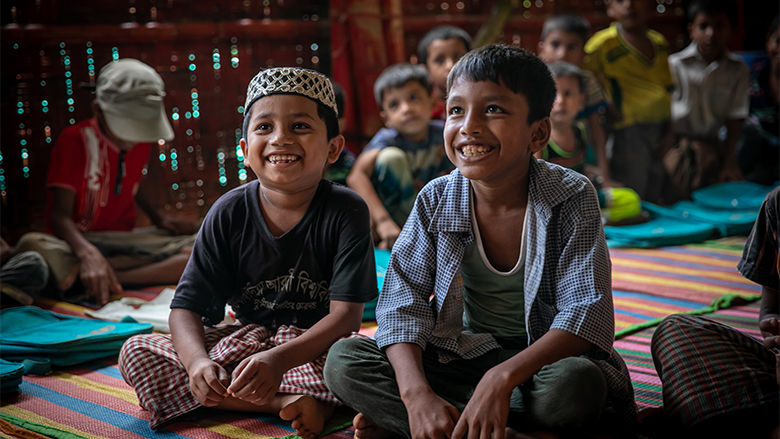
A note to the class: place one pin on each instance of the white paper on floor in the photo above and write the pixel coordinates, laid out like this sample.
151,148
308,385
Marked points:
154,311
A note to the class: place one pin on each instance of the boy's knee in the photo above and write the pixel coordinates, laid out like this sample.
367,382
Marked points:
391,159
673,329
33,241
568,393
342,355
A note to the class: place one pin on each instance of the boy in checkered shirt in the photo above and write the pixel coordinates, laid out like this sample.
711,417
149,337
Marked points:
496,309
291,253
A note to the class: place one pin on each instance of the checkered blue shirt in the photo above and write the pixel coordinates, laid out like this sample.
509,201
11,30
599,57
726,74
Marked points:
567,272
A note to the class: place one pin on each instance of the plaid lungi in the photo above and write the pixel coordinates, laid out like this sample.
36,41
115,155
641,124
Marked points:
709,369
151,366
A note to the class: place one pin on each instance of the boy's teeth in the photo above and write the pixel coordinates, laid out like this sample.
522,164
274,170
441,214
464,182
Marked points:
282,158
475,150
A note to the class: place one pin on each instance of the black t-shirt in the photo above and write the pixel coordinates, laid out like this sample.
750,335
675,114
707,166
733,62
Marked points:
285,280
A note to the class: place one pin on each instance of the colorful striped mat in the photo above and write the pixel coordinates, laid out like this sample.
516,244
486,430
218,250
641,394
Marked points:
635,350
93,401
696,272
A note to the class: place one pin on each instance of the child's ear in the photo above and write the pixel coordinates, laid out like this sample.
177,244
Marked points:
383,115
540,134
335,145
245,151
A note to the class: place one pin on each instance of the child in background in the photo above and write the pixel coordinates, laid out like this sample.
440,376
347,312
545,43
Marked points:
568,146
292,255
563,39
94,188
711,92
759,147
339,170
631,62
400,159
496,307
439,50
23,276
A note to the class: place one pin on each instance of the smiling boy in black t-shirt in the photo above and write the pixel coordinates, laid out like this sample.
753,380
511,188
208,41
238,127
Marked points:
290,252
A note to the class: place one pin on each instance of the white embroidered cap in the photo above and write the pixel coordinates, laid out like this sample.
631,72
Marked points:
291,80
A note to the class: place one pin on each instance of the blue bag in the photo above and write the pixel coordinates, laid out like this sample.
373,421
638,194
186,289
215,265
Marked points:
45,337
742,195
382,260
664,228
727,221
10,376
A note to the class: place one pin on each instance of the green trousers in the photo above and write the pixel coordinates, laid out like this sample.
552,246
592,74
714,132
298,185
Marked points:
566,394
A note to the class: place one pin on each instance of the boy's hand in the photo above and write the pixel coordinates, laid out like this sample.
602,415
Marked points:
257,378
208,382
388,232
770,329
486,413
430,416
98,277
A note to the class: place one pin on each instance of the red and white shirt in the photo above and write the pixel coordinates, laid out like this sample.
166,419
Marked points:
85,161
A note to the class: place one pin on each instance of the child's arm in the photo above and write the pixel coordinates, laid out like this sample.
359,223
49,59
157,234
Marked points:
95,271
599,139
769,317
359,180
208,380
488,408
730,171
429,414
257,377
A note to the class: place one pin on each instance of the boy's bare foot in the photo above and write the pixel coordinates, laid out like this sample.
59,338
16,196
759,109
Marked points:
308,415
366,429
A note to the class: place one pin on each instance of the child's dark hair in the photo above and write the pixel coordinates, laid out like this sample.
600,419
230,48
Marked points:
563,69
338,95
441,33
323,111
568,23
397,76
713,7
515,68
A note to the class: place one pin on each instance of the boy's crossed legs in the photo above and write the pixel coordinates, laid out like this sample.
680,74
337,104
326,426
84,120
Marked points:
568,393
151,366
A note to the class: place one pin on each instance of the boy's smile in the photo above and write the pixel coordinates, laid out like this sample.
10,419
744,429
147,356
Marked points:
407,109
286,143
487,135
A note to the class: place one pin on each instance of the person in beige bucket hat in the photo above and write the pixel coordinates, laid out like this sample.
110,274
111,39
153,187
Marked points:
130,96
95,171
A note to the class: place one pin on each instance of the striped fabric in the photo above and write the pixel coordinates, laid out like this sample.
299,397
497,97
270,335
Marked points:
149,363
708,369
635,350
696,272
